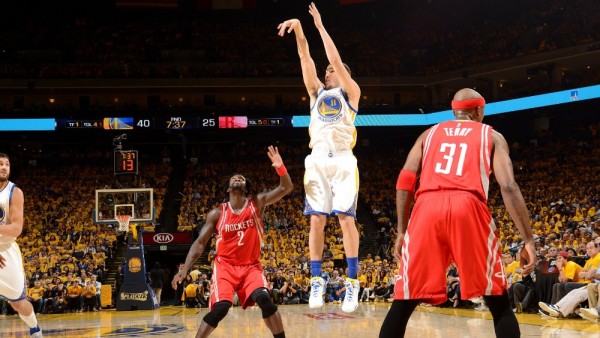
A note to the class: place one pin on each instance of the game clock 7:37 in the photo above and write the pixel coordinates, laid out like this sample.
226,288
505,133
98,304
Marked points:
178,123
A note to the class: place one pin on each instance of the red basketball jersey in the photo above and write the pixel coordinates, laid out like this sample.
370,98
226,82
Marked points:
239,236
457,156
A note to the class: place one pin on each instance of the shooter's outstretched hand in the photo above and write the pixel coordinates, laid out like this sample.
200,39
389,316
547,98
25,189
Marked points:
312,9
290,25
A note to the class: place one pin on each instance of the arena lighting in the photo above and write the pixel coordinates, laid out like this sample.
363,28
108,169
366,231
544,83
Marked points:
495,108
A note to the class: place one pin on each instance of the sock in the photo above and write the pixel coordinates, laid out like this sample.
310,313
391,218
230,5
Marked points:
30,320
279,335
352,267
315,268
394,324
505,322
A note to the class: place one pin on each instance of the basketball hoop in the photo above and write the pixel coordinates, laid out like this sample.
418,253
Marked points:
123,222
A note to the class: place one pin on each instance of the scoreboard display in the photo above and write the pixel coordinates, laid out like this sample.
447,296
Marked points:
167,121
175,122
126,162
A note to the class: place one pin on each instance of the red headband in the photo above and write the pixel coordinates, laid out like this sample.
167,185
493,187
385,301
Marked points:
470,103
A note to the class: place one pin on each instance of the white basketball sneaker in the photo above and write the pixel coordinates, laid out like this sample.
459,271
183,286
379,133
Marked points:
35,332
317,289
351,298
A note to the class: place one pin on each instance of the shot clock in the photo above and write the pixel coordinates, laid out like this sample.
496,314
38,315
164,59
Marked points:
126,162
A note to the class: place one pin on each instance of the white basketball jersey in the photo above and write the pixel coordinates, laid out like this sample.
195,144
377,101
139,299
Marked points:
331,126
5,196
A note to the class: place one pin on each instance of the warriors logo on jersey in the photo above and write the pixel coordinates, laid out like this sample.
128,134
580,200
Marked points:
329,108
2,213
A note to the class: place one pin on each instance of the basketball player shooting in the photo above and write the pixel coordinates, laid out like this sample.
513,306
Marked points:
331,166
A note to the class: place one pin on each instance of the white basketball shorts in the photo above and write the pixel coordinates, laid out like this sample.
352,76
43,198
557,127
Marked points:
12,276
331,184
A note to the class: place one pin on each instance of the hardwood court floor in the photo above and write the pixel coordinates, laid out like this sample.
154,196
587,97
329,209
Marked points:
299,321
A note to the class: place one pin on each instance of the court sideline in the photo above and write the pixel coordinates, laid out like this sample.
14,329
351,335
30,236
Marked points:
299,320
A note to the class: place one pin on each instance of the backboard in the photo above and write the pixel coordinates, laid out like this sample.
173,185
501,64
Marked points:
137,202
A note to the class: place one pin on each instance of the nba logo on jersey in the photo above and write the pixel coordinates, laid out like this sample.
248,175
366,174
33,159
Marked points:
329,108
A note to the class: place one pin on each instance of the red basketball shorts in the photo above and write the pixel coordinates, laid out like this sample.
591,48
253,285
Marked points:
241,279
446,226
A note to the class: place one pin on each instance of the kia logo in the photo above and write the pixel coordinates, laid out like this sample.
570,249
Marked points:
163,238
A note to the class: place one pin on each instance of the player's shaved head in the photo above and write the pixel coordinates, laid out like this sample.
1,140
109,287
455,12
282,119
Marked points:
468,104
466,94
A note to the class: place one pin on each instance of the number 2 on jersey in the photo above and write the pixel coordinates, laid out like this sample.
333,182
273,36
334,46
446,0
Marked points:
241,236
449,150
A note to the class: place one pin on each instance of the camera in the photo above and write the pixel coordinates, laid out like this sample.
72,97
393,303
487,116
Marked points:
117,140
120,138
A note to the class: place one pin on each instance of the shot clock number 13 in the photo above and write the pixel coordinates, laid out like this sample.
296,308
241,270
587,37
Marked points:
126,162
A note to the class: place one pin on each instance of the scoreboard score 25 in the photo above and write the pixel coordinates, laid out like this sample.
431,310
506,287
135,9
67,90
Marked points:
174,123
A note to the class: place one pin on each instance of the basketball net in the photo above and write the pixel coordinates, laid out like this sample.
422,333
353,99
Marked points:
123,222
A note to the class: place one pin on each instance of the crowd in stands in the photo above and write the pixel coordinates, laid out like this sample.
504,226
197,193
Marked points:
231,45
418,40
65,254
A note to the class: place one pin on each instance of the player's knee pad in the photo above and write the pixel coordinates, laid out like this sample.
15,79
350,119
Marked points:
263,300
217,314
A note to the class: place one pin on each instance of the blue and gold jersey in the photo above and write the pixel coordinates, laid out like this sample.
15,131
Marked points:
331,126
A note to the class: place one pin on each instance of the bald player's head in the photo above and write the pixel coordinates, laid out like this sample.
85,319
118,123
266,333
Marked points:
468,104
466,94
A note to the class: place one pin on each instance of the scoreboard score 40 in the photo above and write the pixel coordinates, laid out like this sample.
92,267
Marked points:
126,162
174,123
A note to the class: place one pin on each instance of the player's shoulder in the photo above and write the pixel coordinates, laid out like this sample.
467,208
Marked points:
14,190
498,138
214,214
423,136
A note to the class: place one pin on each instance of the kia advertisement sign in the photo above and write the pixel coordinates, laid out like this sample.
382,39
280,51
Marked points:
167,238
163,238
